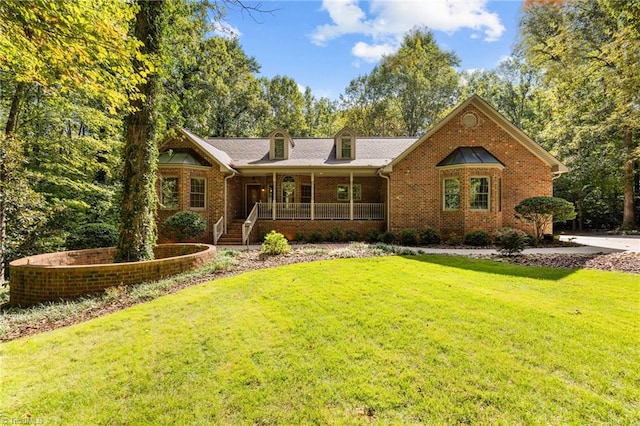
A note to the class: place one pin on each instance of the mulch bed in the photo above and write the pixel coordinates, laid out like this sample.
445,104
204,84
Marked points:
252,260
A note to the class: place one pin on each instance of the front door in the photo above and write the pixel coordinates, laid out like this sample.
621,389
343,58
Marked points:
252,196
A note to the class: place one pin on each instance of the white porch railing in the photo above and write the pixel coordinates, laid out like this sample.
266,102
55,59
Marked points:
247,226
321,211
218,230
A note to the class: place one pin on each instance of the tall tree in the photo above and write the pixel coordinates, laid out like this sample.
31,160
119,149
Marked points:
137,234
421,79
78,46
592,44
286,105
320,115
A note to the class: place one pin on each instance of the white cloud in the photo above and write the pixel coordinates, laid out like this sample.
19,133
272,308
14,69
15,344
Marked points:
371,52
223,29
386,21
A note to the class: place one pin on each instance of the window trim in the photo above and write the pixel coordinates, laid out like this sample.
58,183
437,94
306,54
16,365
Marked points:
162,193
444,194
488,178
203,193
357,192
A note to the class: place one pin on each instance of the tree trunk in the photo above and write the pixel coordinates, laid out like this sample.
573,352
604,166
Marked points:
137,218
629,214
9,134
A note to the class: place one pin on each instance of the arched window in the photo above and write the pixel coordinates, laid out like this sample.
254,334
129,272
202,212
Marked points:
288,190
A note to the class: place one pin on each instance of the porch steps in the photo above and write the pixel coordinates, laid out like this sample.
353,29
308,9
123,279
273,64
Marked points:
233,237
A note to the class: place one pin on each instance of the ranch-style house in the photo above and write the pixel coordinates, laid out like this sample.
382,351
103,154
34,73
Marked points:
467,173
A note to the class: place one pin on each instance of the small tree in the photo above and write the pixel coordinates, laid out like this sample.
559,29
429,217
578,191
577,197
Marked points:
543,211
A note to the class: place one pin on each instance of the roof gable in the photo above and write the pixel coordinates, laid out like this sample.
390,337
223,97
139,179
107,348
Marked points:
500,120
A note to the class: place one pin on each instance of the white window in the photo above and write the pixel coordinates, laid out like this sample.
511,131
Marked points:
479,193
451,190
197,195
343,192
346,146
278,146
169,193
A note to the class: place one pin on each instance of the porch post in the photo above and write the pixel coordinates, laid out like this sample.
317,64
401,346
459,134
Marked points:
313,195
275,189
351,196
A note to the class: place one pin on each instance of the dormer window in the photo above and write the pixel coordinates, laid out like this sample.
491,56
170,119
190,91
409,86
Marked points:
278,146
280,142
345,145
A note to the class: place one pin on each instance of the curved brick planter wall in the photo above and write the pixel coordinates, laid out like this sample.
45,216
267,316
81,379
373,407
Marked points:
68,274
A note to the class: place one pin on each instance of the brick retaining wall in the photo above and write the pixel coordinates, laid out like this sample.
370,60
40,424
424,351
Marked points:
69,274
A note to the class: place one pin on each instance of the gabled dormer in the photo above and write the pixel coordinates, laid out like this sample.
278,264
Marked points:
280,144
345,142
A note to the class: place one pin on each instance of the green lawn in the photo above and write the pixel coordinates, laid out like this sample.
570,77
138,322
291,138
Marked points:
425,339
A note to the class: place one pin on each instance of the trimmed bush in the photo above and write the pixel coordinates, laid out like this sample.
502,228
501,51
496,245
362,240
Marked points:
372,235
510,241
275,243
314,237
93,235
299,237
430,236
184,225
386,237
334,235
454,239
477,238
408,237
352,235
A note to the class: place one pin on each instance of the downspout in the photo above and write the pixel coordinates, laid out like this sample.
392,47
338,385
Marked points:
226,217
388,198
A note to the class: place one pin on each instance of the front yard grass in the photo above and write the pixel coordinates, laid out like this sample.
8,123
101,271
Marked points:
419,339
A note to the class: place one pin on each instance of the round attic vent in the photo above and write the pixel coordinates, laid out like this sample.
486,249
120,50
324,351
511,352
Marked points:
469,120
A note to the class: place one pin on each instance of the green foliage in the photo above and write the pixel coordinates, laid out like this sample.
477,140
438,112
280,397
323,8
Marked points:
299,237
93,235
479,238
275,243
430,236
334,235
352,235
372,235
315,237
510,241
185,225
387,237
407,237
542,211
454,239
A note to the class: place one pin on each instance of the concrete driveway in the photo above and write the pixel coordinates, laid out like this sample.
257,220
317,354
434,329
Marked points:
617,242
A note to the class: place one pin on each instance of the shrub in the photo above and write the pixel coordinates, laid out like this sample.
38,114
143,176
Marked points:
386,237
430,236
542,211
93,235
510,241
275,243
299,237
372,235
334,235
477,238
314,237
352,235
454,239
185,225
408,237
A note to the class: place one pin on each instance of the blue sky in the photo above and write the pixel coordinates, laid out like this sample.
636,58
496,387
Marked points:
326,44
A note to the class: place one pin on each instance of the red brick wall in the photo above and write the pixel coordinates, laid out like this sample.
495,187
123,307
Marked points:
62,275
289,228
416,183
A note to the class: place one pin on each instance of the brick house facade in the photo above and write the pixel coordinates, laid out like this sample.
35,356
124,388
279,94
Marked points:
467,173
